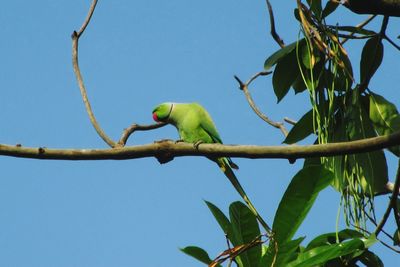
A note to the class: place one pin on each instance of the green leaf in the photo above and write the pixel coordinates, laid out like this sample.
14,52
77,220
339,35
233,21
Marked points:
330,238
296,14
299,85
340,80
221,218
197,253
281,53
303,128
298,200
371,166
285,74
322,254
309,57
316,7
329,8
286,252
385,117
371,58
370,259
245,229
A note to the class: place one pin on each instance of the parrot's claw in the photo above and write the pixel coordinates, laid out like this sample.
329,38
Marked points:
179,141
196,144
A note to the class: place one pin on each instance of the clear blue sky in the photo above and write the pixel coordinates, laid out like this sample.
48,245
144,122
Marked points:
134,55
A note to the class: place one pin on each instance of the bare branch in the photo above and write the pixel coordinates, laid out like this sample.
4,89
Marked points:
392,203
244,88
173,149
359,26
373,221
383,243
136,127
290,121
393,200
391,42
88,17
75,38
274,34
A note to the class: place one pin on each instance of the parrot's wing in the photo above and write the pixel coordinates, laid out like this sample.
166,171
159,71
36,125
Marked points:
208,126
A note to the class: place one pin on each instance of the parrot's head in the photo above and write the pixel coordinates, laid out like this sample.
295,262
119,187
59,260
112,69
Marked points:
161,112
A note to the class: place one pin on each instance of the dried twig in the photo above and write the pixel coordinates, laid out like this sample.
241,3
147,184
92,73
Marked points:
380,241
393,200
391,42
290,121
358,26
244,88
75,38
392,203
232,253
274,34
88,17
373,221
136,127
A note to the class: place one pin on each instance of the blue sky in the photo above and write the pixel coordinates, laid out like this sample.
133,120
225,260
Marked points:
134,55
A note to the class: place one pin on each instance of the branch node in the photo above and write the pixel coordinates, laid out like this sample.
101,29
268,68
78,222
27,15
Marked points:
74,35
241,84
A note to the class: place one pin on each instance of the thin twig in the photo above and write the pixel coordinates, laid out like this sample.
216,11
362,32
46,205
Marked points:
385,22
75,39
391,42
352,36
290,121
373,221
136,127
359,26
391,204
393,200
383,243
88,17
244,88
274,34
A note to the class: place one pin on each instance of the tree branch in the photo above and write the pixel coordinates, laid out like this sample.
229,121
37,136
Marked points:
392,42
378,7
245,89
273,32
75,38
172,149
359,26
136,127
392,203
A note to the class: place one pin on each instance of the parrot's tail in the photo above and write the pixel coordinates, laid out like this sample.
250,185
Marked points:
226,166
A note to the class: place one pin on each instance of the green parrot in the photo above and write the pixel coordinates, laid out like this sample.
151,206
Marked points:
195,125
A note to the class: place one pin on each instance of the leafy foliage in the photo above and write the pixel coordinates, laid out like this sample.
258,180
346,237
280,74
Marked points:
342,109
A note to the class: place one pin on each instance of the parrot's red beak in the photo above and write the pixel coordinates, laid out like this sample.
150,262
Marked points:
155,118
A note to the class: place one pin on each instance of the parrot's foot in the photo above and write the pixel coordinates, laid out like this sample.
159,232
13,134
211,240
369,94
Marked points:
179,141
196,144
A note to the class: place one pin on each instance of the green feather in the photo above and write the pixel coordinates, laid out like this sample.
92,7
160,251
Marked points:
194,125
